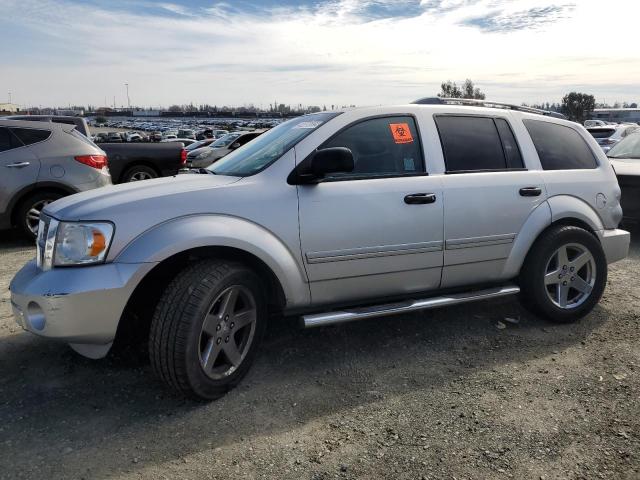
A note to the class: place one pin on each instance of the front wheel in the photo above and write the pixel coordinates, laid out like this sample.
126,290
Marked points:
206,328
564,274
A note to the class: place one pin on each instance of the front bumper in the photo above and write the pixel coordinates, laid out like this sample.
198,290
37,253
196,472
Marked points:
615,244
80,305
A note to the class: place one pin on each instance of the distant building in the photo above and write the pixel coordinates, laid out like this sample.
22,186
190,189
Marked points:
72,112
617,115
9,107
146,113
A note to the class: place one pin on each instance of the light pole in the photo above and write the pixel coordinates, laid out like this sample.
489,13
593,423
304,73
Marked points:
9,97
128,99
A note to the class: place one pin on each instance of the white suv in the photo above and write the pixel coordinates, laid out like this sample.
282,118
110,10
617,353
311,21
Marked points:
331,217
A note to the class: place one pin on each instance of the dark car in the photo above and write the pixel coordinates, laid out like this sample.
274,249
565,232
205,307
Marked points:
131,162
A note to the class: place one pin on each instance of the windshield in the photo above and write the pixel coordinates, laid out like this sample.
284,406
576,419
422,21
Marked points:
268,147
226,140
627,148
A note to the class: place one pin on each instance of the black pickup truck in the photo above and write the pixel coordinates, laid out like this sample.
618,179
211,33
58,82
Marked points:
131,162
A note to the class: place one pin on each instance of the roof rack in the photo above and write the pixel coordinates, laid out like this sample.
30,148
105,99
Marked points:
484,103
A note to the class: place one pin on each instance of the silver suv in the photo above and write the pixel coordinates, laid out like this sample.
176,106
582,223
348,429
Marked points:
41,162
330,217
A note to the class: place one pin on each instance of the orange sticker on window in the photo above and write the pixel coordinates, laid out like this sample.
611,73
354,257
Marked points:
401,132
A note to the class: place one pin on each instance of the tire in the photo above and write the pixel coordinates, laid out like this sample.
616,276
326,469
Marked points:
563,288
192,331
28,213
138,173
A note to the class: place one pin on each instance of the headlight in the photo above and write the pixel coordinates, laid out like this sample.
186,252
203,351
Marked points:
77,243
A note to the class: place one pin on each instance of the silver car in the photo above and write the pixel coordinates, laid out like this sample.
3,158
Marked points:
205,156
609,135
330,217
41,162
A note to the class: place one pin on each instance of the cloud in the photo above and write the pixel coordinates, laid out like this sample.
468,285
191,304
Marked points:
500,22
335,52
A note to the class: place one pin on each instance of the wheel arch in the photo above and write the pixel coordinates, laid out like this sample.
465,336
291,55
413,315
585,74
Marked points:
568,211
222,234
22,195
574,209
135,320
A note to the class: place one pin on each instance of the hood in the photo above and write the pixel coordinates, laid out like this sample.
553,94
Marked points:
626,166
148,199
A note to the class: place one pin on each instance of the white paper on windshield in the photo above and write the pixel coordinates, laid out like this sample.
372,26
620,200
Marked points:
310,124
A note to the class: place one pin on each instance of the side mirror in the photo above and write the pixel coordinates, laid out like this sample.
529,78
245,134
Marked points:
322,163
332,160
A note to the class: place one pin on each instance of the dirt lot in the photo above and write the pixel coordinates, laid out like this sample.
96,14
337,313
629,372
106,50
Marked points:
442,394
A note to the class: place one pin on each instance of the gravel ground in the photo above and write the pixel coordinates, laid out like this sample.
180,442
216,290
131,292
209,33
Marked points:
441,394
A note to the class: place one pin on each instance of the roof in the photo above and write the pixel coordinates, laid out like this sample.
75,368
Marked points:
36,124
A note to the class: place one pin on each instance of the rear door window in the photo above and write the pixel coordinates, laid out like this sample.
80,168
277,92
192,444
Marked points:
29,136
560,147
471,143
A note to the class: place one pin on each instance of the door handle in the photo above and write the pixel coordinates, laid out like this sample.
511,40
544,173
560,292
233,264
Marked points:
18,165
530,192
420,198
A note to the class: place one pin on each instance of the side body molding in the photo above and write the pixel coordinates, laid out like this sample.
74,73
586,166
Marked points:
185,233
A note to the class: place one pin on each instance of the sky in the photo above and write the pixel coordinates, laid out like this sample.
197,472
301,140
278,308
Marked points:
311,52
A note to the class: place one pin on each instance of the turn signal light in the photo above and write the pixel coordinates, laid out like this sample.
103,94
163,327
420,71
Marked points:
94,161
98,243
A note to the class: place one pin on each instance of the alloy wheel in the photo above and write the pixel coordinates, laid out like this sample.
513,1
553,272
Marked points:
138,176
227,332
570,276
32,218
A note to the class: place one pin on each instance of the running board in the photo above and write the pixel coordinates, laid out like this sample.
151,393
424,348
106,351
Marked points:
331,318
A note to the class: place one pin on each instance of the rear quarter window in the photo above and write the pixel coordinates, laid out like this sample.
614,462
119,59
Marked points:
29,136
560,147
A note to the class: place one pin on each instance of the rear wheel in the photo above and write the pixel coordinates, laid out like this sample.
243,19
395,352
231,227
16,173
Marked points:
206,328
28,215
138,173
564,274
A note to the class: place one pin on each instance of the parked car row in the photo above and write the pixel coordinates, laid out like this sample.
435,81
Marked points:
195,129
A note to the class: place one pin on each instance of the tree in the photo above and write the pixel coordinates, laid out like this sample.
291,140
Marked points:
175,108
578,106
449,89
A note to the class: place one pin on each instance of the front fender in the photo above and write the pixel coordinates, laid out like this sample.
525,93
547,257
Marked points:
185,233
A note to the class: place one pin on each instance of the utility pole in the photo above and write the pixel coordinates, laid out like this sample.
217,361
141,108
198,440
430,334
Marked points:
128,99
